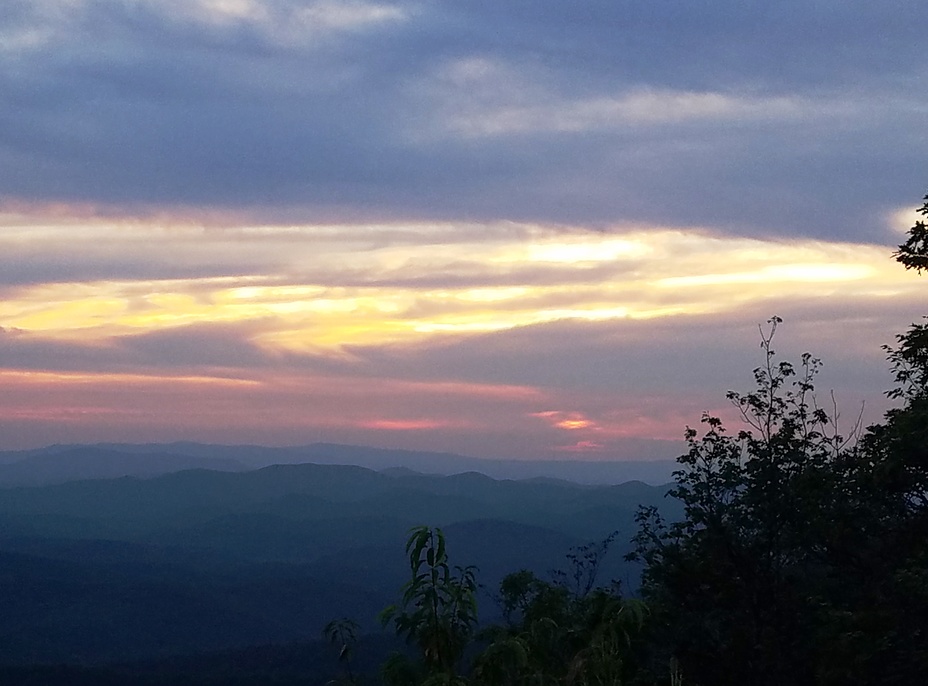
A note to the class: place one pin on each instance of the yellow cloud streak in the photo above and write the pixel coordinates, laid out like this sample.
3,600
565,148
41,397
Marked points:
776,274
532,276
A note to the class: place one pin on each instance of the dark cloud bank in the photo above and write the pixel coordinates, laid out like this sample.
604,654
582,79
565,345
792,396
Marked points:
139,105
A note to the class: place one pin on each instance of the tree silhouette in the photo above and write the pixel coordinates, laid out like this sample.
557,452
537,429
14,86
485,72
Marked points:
802,557
438,611
913,254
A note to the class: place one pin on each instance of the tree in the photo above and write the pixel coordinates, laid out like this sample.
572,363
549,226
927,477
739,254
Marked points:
802,557
913,254
438,611
568,631
886,561
889,508
734,584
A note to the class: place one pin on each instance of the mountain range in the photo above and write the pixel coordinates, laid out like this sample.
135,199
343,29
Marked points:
199,551
59,463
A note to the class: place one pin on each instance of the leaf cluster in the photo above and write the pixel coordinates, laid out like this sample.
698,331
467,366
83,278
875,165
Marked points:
555,635
913,254
565,631
438,610
802,555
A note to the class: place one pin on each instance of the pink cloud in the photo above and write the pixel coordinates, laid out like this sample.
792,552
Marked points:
404,424
582,447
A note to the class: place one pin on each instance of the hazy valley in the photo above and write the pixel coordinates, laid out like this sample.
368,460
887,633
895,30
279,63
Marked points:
200,551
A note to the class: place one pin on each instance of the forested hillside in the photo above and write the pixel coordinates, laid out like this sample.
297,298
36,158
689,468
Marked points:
132,568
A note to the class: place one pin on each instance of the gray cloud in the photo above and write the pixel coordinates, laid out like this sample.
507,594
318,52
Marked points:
702,355
63,269
22,351
195,346
177,350
290,114
680,358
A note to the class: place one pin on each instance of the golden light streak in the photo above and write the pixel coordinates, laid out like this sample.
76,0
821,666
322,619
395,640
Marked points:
776,274
337,287
582,250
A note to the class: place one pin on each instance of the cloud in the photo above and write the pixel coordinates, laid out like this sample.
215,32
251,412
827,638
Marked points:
609,381
608,113
273,406
476,97
341,290
407,424
582,447
472,214
569,421
206,346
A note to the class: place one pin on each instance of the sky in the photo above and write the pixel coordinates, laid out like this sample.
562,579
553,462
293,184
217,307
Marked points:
515,229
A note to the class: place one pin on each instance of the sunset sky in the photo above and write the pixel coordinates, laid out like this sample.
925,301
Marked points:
512,229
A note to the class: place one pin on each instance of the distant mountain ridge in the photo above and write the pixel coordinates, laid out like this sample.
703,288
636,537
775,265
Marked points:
92,462
61,463
135,568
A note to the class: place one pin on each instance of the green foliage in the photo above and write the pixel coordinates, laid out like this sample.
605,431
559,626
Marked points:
568,631
913,254
890,507
560,638
802,556
909,363
732,582
885,504
585,561
438,611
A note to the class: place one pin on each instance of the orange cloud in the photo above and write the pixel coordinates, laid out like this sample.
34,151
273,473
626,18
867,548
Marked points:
574,424
569,421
